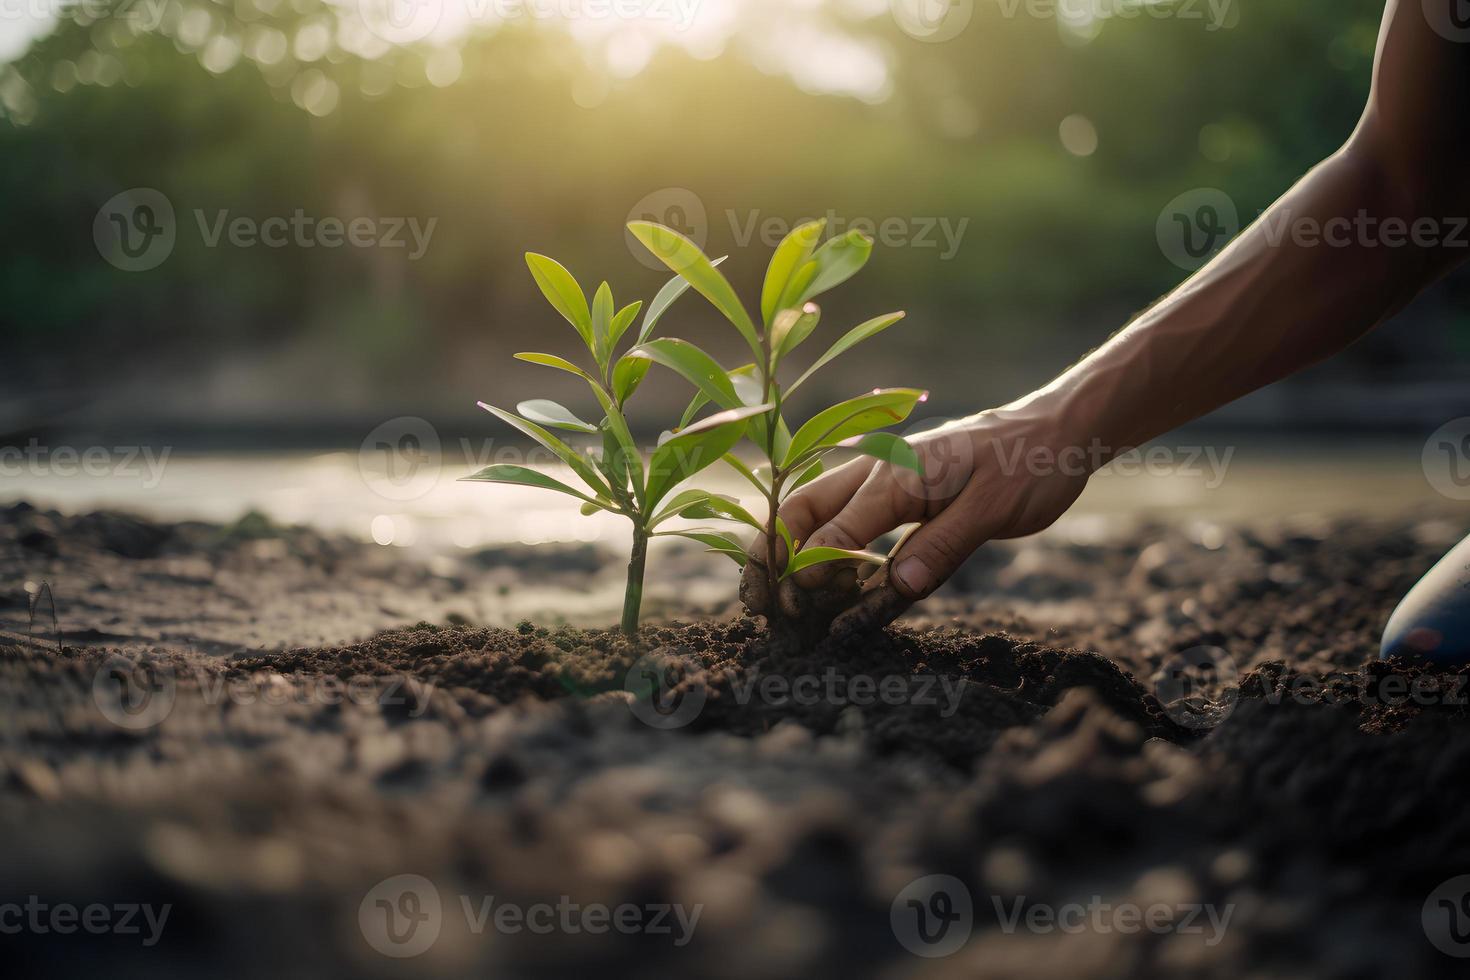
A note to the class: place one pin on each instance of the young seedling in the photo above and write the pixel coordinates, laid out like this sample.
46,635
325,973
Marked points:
619,480
799,271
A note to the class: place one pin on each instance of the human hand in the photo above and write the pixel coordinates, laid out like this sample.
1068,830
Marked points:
1005,473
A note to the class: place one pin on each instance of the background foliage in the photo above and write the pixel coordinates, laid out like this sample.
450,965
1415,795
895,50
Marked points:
530,136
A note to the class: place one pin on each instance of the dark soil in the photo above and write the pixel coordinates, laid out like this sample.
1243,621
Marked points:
266,789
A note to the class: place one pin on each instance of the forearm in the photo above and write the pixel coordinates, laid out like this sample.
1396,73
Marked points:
1329,261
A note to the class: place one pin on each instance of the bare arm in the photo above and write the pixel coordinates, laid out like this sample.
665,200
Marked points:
1348,246
1331,259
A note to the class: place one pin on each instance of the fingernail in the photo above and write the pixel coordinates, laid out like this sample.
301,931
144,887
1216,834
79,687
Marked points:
914,575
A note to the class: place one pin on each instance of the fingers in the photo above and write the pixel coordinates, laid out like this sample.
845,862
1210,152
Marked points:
878,506
934,550
879,605
818,502
803,512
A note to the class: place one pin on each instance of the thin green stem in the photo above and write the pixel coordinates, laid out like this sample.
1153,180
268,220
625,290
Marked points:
773,497
633,597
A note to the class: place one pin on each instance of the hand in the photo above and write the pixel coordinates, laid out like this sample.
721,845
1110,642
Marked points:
1004,473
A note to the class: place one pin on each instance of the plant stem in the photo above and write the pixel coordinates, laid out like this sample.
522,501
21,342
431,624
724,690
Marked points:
633,597
773,391
773,575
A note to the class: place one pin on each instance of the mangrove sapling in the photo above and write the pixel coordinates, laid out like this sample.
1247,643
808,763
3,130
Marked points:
799,271
619,480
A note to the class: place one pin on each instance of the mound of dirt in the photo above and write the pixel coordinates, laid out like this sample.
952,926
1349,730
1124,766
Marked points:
981,798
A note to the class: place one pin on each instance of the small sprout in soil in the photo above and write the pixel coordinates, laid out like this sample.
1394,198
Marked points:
619,479
800,270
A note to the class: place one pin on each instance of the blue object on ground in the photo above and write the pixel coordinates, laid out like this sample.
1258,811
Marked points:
1432,622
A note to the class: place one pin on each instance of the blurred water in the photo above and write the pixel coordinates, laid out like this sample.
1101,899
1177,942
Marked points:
425,507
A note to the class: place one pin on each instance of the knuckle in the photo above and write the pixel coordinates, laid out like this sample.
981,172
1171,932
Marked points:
838,533
948,547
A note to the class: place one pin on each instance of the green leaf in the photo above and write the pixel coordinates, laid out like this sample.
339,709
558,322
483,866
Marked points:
785,533
563,293
521,476
807,475
852,338
613,463
760,434
589,509
663,299
717,541
818,556
739,467
574,460
695,448
560,363
747,384
730,508
684,257
796,287
627,375
747,388
793,252
697,367
548,412
853,417
887,447
681,502
838,260
622,322
626,452
602,315
790,329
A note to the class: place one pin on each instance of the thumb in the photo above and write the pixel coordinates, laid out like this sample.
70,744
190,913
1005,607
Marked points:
878,506
933,552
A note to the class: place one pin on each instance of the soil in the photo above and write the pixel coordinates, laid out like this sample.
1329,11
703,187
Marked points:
240,724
